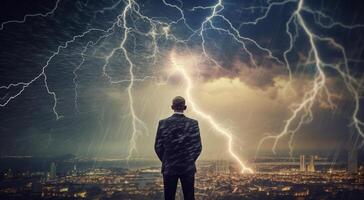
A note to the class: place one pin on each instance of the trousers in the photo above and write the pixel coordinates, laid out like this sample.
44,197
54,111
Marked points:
188,186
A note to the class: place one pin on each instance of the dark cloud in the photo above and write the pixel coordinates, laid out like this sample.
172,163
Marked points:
255,99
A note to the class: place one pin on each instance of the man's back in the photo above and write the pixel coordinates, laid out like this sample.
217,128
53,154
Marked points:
178,144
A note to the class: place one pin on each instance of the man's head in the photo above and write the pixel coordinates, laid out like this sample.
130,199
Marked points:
178,104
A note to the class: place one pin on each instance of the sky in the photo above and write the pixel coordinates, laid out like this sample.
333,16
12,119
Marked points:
93,78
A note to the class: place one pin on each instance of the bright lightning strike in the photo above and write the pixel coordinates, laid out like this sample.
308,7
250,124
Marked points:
302,112
135,118
158,31
177,67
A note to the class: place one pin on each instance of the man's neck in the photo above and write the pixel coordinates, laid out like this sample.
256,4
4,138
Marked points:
178,112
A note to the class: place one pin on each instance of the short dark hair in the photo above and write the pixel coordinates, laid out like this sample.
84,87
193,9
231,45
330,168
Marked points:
179,103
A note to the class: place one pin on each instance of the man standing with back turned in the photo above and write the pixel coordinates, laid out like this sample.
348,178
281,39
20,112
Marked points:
178,145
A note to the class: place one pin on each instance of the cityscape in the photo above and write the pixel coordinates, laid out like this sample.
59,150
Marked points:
304,177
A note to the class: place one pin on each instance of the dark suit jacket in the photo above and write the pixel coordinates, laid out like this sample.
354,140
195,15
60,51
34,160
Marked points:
178,144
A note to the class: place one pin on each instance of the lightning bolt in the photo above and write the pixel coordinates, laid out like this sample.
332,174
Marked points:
42,74
161,30
51,12
302,112
182,71
135,118
208,24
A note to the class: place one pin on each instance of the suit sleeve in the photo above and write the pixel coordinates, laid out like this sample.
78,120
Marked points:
158,145
197,146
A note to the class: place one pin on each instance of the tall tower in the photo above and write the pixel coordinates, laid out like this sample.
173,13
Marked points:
75,167
311,165
302,163
53,171
353,160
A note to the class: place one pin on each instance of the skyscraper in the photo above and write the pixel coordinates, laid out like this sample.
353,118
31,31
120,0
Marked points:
353,160
53,171
302,163
311,165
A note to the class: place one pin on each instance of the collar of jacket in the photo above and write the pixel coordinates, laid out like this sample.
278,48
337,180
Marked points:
178,114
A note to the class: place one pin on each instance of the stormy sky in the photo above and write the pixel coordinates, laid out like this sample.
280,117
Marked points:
65,77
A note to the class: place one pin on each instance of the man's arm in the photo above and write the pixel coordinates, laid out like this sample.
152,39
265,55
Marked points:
196,138
158,145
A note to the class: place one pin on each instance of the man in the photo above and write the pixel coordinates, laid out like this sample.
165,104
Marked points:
178,145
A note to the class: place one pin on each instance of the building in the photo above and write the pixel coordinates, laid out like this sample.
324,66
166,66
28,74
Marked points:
53,171
222,166
353,160
311,165
75,167
302,163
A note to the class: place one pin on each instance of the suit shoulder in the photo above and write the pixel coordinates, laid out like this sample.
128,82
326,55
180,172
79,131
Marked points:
192,120
165,120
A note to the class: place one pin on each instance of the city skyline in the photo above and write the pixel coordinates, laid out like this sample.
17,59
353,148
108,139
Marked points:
215,180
